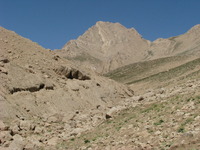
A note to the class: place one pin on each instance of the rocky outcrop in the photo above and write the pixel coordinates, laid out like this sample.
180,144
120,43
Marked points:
71,73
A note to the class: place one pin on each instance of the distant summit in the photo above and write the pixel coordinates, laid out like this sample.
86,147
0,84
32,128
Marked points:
107,46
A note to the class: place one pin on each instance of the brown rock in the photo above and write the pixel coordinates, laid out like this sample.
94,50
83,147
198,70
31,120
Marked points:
4,60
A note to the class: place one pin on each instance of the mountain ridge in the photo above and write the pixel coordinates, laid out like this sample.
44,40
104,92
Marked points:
115,46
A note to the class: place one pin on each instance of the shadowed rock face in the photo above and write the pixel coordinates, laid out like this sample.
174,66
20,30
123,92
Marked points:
71,73
30,89
107,46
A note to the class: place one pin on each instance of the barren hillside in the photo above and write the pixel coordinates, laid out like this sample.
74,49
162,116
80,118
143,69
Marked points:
40,91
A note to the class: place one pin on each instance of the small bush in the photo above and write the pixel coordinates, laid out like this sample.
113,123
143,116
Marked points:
86,141
181,129
159,122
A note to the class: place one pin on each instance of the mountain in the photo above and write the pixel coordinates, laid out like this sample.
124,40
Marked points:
40,91
107,46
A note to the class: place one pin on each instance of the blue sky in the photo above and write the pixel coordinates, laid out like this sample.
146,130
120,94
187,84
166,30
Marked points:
52,23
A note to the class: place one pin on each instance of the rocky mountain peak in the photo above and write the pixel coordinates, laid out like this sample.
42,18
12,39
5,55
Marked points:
110,43
107,31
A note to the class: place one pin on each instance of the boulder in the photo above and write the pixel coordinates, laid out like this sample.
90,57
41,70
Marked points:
3,70
2,126
55,118
53,141
38,130
113,111
25,125
71,73
18,143
5,136
4,60
15,129
33,142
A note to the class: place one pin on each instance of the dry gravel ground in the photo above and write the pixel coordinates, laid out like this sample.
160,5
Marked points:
159,119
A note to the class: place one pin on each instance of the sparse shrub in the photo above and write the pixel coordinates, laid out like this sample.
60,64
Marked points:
189,120
181,129
150,130
86,141
118,128
94,139
159,122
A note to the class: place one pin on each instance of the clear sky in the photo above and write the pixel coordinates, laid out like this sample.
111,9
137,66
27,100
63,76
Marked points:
52,23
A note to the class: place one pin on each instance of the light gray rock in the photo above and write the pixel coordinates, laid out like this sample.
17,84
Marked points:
3,70
5,136
18,143
32,142
111,112
52,119
2,126
53,141
77,132
15,129
25,125
38,130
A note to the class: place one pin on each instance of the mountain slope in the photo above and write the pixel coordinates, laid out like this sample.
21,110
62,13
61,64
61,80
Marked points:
40,91
138,71
188,43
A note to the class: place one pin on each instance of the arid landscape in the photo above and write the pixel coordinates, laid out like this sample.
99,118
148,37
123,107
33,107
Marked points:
108,89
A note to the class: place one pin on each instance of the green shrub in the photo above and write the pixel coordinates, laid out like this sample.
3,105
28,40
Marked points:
159,122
